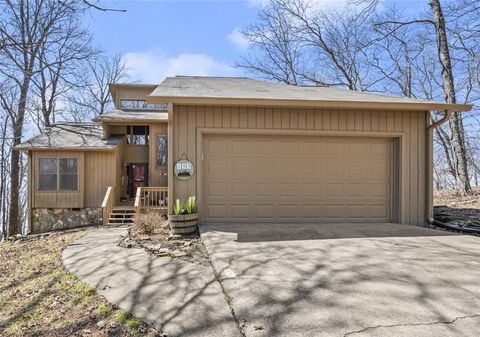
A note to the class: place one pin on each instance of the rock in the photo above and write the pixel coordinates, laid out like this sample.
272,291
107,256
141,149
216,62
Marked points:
178,253
187,243
153,247
163,251
174,237
101,324
258,327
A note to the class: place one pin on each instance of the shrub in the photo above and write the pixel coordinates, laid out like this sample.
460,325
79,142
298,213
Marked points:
146,223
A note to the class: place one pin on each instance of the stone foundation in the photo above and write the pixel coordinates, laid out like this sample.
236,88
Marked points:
49,219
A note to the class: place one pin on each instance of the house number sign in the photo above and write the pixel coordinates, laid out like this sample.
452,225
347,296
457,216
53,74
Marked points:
183,169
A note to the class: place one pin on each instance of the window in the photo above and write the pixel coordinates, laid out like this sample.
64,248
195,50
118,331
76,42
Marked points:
162,151
58,174
137,135
68,174
137,104
47,178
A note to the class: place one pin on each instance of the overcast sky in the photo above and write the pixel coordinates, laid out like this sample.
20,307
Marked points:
159,38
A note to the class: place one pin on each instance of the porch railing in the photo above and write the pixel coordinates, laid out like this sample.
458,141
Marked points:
151,198
108,203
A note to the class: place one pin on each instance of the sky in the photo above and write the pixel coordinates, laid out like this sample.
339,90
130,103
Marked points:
159,38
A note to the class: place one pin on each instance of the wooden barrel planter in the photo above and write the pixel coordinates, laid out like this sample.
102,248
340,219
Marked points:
183,223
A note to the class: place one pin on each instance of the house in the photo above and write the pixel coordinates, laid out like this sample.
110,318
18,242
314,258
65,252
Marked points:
251,151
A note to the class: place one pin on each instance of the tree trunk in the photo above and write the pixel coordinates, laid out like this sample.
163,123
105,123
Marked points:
15,222
459,150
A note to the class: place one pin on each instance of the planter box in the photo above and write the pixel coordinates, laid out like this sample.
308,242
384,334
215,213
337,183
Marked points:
183,223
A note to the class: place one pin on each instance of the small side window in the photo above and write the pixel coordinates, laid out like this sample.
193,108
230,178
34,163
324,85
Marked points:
162,152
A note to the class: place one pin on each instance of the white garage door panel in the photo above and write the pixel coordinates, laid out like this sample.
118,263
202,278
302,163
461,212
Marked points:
296,178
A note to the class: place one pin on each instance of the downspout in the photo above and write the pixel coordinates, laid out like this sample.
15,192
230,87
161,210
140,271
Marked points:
429,166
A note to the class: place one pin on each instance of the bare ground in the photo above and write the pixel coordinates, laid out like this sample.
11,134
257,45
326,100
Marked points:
161,242
40,298
456,210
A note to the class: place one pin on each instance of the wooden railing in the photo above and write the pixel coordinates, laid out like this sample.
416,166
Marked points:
108,203
151,198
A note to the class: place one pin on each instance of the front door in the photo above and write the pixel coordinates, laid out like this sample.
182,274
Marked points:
138,176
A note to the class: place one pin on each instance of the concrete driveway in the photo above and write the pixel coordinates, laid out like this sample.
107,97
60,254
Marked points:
348,280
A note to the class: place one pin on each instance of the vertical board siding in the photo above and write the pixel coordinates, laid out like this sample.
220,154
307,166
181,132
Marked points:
134,93
99,175
187,119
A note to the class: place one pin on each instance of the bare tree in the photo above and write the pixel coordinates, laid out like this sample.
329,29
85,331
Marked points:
60,71
456,123
94,96
436,20
276,50
26,28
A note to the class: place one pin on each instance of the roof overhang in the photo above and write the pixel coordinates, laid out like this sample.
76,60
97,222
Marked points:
113,87
22,147
369,105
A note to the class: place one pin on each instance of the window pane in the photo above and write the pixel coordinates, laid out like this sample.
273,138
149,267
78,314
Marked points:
68,182
162,153
48,165
47,182
137,140
131,104
68,165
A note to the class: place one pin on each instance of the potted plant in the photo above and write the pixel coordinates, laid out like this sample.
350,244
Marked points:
184,217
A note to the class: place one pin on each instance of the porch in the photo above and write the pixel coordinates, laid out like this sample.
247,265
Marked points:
116,212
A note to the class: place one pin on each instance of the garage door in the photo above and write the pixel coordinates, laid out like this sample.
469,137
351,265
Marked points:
296,179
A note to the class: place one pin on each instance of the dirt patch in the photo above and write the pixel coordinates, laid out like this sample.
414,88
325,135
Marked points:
153,234
455,210
451,199
41,298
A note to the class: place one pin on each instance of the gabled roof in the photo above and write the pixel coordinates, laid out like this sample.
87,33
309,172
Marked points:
136,116
70,136
241,90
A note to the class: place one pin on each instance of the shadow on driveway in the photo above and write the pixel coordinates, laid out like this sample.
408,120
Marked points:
176,296
348,280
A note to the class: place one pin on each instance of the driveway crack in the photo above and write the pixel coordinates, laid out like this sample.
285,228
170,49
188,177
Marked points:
350,333
228,298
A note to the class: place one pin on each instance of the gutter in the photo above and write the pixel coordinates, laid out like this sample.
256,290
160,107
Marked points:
429,166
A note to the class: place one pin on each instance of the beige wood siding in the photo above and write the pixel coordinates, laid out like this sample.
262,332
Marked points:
100,173
133,93
258,178
408,127
136,153
74,199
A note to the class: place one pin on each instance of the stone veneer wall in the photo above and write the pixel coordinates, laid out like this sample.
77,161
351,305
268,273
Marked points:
49,219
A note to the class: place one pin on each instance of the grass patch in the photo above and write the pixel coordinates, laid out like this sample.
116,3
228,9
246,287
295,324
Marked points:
104,310
121,317
40,298
133,324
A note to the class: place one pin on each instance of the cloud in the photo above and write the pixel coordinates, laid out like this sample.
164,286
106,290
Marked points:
238,40
152,66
